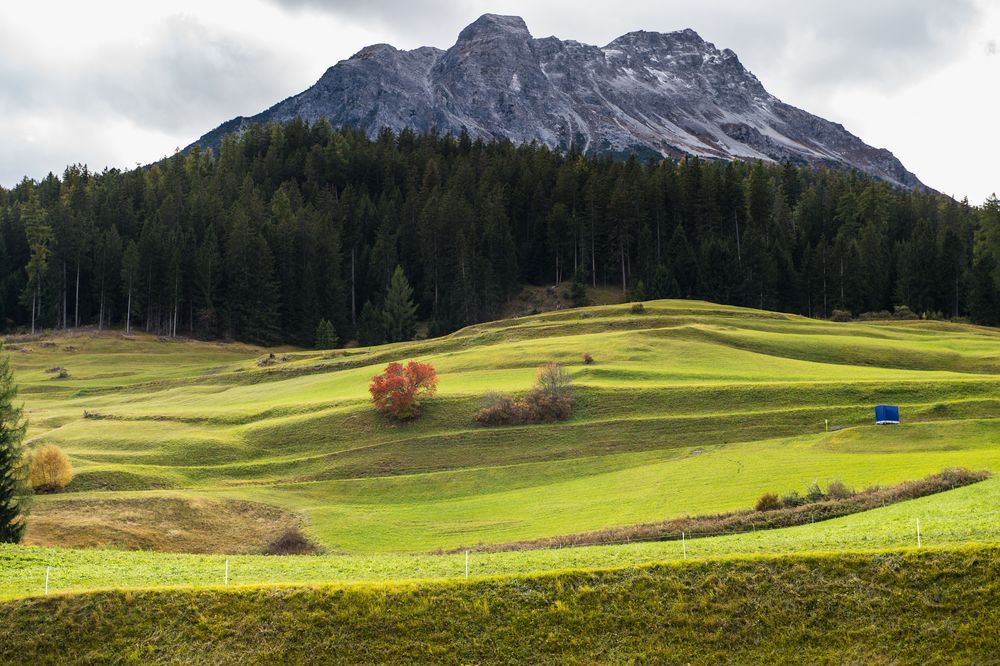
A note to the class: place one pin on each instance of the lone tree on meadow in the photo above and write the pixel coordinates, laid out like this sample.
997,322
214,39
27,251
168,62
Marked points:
326,336
400,314
399,390
15,492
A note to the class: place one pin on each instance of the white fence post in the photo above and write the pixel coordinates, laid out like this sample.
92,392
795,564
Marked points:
226,581
684,545
47,579
466,565
918,533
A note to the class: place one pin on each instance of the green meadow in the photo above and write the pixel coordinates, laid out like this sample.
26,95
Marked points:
689,409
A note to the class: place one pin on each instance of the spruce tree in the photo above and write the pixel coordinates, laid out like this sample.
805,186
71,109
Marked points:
326,336
15,493
400,314
370,328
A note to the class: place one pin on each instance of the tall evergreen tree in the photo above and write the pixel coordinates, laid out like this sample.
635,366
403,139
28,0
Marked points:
15,493
39,234
371,326
130,273
399,313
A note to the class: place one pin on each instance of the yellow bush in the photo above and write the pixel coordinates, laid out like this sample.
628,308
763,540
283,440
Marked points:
50,469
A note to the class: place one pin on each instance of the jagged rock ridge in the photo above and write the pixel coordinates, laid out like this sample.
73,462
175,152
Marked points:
649,93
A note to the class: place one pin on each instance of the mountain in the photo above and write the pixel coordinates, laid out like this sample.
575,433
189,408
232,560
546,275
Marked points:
649,93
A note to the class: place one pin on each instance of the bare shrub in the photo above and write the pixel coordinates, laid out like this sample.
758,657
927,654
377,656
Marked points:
51,470
498,409
814,493
638,309
553,380
551,399
837,490
903,312
292,542
840,315
880,315
768,502
587,358
792,499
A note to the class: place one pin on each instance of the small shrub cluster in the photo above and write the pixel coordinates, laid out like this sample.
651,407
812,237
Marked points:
768,502
400,390
550,400
638,309
588,359
272,359
900,312
51,470
835,490
292,542
840,315
880,315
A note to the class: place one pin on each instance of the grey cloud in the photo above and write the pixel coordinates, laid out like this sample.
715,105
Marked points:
189,73
180,80
181,75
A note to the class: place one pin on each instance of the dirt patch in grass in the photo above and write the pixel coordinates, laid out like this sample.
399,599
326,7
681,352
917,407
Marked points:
167,524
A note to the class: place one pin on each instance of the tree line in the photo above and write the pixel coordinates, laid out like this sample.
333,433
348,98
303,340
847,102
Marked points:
295,225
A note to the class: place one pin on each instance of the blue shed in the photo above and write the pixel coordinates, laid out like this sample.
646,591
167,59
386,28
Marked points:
886,415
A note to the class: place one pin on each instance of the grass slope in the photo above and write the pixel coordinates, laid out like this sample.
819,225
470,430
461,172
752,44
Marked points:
691,408
961,516
932,606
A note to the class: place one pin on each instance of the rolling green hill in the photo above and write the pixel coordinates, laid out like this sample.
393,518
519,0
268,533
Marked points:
192,456
690,408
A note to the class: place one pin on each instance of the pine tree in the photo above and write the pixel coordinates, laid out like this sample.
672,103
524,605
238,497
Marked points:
39,233
399,314
15,493
326,336
130,273
371,330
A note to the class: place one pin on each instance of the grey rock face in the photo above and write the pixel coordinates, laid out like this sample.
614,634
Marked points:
667,94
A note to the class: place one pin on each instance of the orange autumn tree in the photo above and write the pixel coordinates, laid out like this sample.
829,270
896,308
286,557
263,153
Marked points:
399,390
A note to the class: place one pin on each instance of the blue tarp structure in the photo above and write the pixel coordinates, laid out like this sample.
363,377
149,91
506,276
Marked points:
887,414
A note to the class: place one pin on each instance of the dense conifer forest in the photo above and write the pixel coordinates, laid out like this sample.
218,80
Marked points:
293,225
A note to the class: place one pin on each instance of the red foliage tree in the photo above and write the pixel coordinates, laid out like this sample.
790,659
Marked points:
399,390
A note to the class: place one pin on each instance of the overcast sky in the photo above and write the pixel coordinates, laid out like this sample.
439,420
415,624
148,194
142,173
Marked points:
111,83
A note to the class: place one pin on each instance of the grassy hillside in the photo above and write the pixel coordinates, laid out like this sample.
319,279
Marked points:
961,516
191,457
888,608
690,408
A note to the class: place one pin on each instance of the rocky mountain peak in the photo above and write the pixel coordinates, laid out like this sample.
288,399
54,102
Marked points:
647,93
494,26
